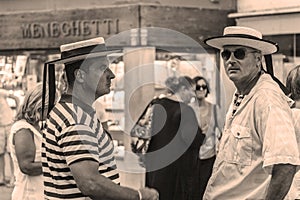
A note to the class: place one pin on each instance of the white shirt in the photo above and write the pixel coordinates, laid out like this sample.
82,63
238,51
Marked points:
26,187
259,135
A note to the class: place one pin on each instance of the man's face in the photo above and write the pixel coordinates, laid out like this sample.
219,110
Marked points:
99,76
240,63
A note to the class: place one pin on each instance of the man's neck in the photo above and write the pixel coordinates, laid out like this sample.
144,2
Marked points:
82,95
244,87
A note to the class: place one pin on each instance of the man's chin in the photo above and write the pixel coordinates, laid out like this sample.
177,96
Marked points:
104,92
233,76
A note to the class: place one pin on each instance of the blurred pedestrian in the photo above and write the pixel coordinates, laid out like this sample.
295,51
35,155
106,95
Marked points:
293,86
258,151
77,154
25,142
6,120
171,159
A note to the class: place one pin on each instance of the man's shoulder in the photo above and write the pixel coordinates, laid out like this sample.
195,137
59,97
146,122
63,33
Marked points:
268,90
72,113
63,114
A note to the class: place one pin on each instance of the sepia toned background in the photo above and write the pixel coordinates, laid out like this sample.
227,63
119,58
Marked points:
31,32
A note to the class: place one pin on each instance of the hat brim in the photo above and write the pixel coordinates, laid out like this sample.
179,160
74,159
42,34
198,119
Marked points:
83,57
266,47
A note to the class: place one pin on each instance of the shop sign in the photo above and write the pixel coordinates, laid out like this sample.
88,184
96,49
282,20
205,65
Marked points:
74,28
50,29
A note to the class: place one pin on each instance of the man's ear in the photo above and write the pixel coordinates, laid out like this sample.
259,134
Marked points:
258,61
79,75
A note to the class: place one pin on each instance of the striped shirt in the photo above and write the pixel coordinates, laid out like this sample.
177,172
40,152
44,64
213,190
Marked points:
73,134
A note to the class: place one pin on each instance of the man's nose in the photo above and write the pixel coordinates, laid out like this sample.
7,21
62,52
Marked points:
231,57
112,75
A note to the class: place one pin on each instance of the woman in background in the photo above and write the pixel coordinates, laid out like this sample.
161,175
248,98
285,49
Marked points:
25,141
206,120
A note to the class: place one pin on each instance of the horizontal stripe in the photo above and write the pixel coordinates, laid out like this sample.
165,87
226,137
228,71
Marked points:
108,169
77,152
68,178
115,176
54,160
78,142
65,196
60,187
83,159
51,151
76,132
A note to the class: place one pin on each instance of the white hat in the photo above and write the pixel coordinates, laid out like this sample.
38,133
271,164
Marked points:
82,50
70,53
244,36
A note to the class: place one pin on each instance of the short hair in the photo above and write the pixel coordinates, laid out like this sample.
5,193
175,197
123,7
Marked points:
198,78
174,84
186,82
70,69
32,104
171,84
293,83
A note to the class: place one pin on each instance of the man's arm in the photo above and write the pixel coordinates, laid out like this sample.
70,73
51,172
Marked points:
282,177
96,186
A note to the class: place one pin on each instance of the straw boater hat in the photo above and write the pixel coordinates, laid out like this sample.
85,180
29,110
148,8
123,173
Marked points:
83,50
249,37
239,35
72,52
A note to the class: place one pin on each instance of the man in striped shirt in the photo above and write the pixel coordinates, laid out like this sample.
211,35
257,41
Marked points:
77,154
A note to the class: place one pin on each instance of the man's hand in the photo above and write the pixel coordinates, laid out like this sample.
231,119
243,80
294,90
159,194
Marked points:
149,194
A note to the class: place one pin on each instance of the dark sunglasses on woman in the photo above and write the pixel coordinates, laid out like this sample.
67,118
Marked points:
198,87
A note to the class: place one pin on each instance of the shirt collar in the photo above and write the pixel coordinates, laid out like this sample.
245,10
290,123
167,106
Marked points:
66,98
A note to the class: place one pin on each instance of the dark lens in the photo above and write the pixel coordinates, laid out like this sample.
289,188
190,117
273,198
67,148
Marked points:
239,54
198,87
204,87
226,54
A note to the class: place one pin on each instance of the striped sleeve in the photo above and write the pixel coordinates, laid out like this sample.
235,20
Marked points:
78,143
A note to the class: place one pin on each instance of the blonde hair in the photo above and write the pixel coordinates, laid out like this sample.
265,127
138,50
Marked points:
32,105
293,83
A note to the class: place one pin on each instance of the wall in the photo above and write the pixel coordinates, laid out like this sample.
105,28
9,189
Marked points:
50,29
260,5
31,5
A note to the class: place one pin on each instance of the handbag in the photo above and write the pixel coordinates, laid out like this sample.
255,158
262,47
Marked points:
141,131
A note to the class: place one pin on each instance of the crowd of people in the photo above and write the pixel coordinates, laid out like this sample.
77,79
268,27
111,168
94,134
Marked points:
61,147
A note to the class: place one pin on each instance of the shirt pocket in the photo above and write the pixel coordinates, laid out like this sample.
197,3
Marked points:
239,146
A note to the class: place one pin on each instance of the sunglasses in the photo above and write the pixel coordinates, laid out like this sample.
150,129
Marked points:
238,53
198,87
